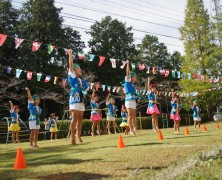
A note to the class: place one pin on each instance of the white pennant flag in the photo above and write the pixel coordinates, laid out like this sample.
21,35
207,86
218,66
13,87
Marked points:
18,41
113,61
124,63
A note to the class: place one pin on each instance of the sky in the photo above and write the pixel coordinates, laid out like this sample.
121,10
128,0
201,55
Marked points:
162,18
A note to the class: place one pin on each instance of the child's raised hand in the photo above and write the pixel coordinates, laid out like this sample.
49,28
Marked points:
70,52
127,61
27,89
10,101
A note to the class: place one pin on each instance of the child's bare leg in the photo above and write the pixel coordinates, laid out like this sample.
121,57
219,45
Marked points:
93,128
13,136
175,126
114,125
73,126
31,138
79,125
153,123
178,126
17,136
36,137
55,135
127,130
98,128
156,122
130,120
108,127
51,135
199,124
195,124
134,120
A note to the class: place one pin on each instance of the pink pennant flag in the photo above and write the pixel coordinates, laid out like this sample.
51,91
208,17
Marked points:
162,72
101,60
124,64
18,41
109,88
47,78
114,89
123,90
167,72
141,66
66,51
2,39
29,75
35,46
113,61
64,82
97,86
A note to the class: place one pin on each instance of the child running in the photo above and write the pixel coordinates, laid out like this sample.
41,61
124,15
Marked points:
124,123
152,107
34,122
196,114
95,114
79,87
53,125
174,114
111,114
14,126
130,100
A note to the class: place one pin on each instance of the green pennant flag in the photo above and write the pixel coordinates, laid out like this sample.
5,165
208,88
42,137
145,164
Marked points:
50,48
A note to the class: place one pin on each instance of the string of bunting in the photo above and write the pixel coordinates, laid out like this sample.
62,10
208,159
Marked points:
115,89
141,66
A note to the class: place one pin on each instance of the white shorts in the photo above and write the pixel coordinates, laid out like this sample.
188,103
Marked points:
77,106
32,125
111,118
197,119
130,104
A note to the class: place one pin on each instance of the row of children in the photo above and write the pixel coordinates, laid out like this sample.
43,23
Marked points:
79,87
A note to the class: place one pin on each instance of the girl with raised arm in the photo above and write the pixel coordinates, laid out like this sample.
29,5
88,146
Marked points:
130,100
152,107
34,121
79,87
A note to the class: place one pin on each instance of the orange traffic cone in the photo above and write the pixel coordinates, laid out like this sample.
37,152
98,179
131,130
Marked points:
187,131
204,128
160,136
120,142
19,160
217,126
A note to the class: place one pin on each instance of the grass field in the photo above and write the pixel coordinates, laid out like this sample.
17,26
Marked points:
99,158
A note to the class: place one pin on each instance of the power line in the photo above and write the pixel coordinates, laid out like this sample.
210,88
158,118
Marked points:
105,12
138,11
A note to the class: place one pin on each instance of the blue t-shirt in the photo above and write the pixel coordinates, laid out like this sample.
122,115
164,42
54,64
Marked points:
152,99
129,90
14,116
53,122
78,85
124,115
34,111
196,111
174,106
112,109
94,106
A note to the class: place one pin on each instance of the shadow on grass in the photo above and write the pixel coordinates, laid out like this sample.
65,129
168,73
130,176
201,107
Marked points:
146,167
145,144
189,136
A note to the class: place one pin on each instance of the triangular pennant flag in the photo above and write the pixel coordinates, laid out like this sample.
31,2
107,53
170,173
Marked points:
108,88
35,46
91,57
18,41
39,75
189,75
148,69
141,66
118,90
173,74
196,76
101,60
178,74
47,78
104,87
9,70
167,72
55,80
113,61
2,39
64,82
123,65
114,89
18,72
50,48
184,75
66,51
154,70
91,85
133,66
97,86
162,72
81,55
123,90
29,75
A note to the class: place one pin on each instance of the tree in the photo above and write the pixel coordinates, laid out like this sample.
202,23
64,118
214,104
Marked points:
111,38
198,52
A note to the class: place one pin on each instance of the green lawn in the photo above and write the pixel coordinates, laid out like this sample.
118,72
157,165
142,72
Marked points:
99,157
